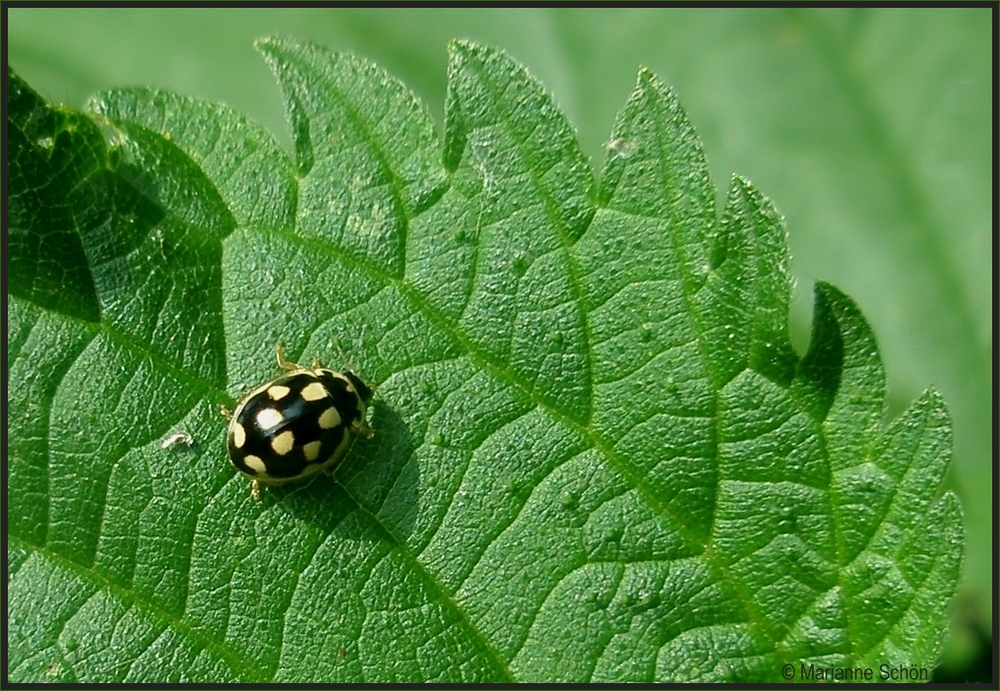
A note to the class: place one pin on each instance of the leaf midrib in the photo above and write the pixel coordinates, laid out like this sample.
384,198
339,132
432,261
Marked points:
495,367
484,360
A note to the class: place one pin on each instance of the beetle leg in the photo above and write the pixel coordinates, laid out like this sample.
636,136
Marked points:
282,362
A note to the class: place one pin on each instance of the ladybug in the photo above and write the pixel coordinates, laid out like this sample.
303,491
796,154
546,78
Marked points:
296,425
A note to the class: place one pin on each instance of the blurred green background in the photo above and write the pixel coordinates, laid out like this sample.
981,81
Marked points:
869,128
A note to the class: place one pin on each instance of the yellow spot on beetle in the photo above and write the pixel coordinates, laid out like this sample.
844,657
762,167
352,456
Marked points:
239,435
311,450
329,419
314,392
283,443
255,464
277,392
268,418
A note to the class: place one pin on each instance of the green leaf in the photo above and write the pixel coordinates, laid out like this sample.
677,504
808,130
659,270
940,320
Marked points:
597,456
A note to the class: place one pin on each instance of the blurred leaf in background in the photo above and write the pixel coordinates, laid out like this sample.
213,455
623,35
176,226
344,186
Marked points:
870,130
